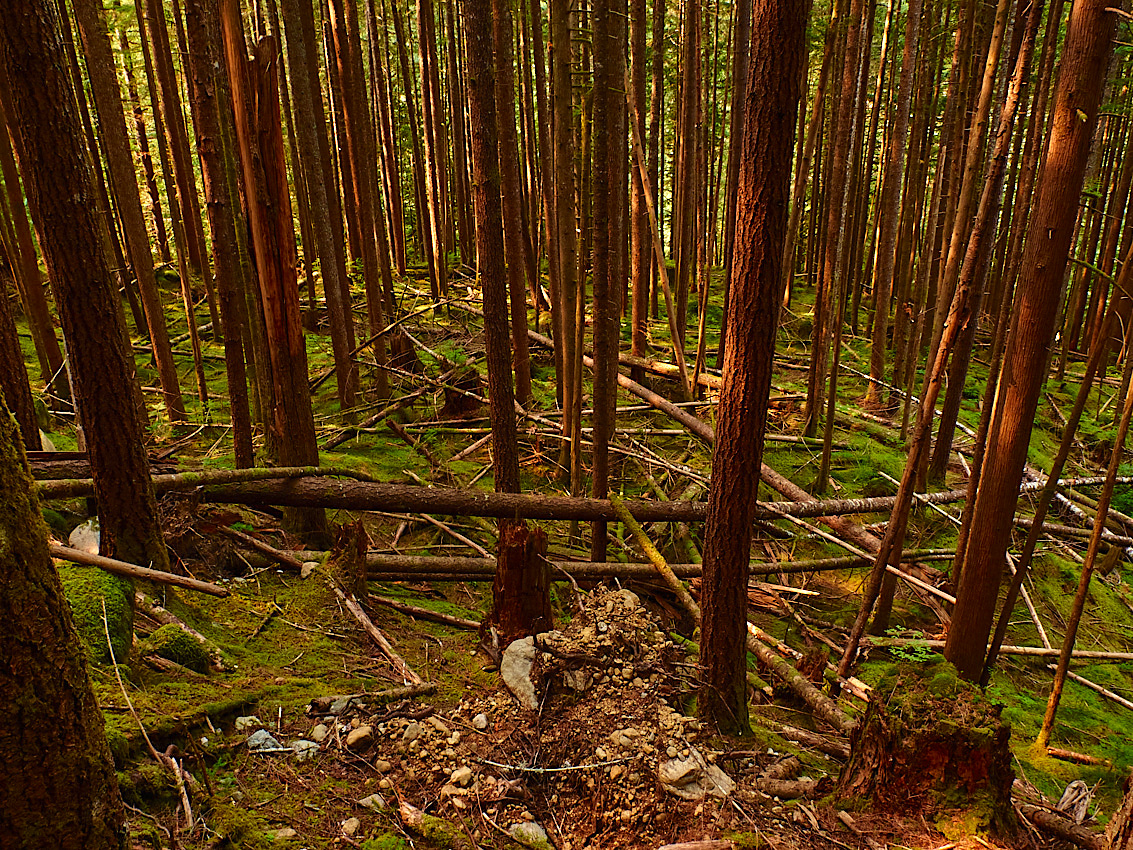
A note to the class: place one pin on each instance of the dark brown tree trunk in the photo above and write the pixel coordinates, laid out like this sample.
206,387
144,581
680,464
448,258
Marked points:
640,237
512,196
654,142
14,386
778,51
608,27
60,192
326,210
687,174
436,178
1089,41
379,71
212,95
462,190
57,781
123,181
26,266
520,598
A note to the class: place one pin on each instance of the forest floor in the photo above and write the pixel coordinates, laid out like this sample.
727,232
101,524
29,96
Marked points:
612,755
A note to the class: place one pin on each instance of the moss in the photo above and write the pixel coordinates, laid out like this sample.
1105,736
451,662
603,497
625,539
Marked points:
174,643
385,841
119,744
145,783
86,589
745,839
442,834
238,828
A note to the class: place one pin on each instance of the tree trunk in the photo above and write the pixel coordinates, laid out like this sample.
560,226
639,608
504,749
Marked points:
1089,41
178,137
520,594
212,94
512,197
60,193
57,781
123,181
14,386
778,51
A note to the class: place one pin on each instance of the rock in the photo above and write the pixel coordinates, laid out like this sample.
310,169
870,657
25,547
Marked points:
175,644
439,725
532,835
616,771
285,834
516,668
462,776
374,802
249,721
454,739
360,739
578,680
304,750
319,733
308,568
261,741
412,732
340,705
350,827
480,722
692,778
382,766
85,537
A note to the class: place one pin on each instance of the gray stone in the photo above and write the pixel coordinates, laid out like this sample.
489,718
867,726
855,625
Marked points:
578,680
350,827
480,722
692,778
374,802
462,776
285,834
243,724
304,750
516,666
319,733
531,834
340,705
412,732
261,741
360,739
308,568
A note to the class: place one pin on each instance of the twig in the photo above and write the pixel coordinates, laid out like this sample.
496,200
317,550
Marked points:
377,637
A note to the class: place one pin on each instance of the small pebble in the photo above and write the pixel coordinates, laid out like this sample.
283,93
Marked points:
350,826
480,722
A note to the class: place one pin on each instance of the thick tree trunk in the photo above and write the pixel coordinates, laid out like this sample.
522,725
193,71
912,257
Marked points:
1089,41
778,51
60,192
57,781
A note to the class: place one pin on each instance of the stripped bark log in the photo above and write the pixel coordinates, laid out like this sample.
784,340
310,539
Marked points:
379,639
1062,827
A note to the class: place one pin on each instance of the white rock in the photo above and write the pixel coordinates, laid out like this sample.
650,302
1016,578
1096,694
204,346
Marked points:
480,722
462,776
319,733
308,568
530,834
243,724
285,834
85,537
261,741
515,669
693,778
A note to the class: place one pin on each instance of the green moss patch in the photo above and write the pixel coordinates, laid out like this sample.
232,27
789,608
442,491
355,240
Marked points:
87,590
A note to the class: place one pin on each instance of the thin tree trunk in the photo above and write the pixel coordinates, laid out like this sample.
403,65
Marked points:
14,386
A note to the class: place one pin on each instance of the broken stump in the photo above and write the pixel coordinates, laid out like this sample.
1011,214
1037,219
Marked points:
929,742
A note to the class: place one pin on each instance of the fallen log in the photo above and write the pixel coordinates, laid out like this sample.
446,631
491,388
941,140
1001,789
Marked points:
71,488
1061,827
246,541
121,568
408,498
1034,651
1076,758
426,614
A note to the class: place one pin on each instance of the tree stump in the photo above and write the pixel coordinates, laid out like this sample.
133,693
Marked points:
930,742
347,560
521,602
1119,830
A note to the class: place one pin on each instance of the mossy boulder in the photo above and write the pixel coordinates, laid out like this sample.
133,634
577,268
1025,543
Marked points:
87,589
930,742
146,783
175,644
